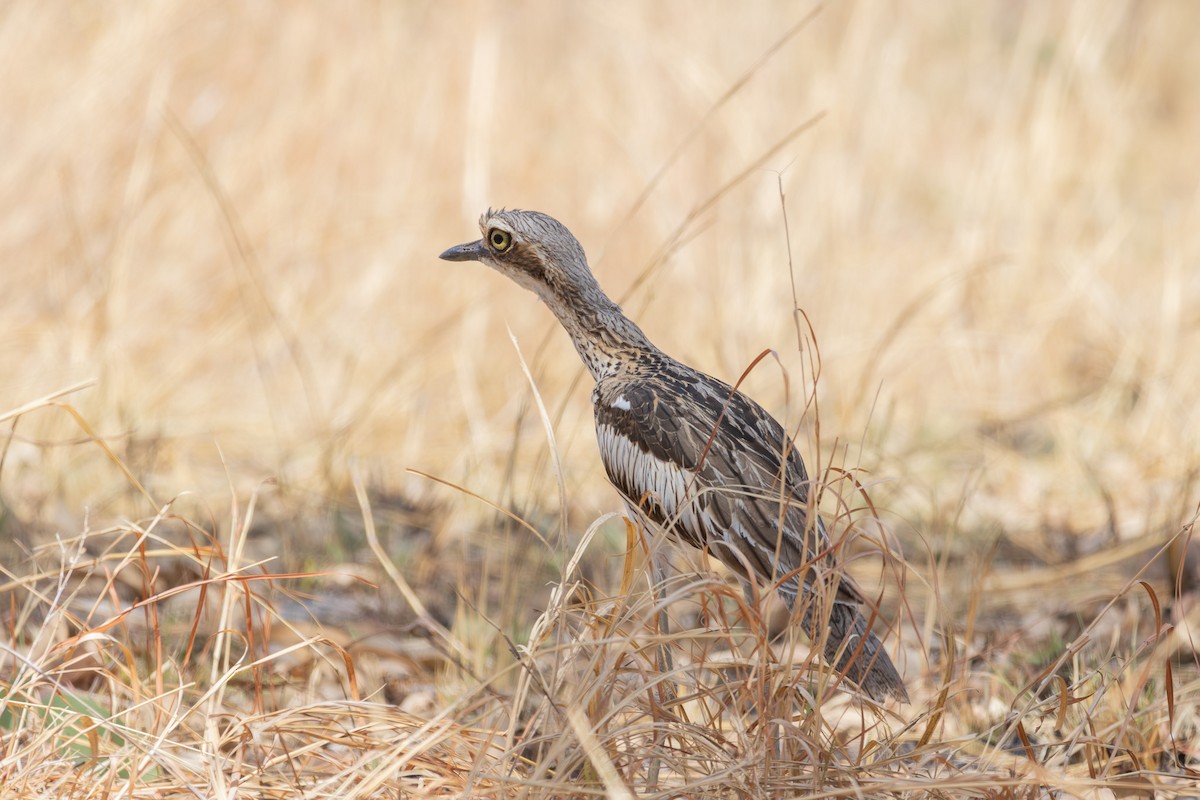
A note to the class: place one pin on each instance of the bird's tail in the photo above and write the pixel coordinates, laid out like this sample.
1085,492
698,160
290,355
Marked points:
857,653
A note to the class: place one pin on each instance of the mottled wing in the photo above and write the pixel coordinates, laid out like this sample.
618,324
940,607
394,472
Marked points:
710,465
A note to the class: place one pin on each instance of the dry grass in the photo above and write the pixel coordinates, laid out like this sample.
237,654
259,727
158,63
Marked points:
224,221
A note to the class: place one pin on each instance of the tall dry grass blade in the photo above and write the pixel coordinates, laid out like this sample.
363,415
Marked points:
679,236
401,583
593,751
548,428
244,255
494,506
732,91
108,452
46,400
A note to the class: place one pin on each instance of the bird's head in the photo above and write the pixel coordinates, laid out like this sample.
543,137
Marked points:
535,250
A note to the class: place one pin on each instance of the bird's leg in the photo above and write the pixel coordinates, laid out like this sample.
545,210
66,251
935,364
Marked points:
659,568
659,572
666,691
748,592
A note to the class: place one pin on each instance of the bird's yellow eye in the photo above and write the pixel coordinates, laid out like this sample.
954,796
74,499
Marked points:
499,240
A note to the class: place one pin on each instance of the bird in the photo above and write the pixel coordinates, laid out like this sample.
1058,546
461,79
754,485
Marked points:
701,460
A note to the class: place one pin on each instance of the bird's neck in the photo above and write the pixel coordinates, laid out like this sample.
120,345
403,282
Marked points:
604,337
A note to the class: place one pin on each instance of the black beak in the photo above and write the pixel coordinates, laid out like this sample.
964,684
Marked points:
472,251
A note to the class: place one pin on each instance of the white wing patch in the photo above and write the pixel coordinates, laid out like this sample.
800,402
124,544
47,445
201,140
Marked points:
621,403
664,483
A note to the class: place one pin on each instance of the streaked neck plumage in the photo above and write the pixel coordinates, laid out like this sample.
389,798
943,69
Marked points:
603,336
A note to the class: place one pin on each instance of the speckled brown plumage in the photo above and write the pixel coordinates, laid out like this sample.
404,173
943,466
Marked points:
703,462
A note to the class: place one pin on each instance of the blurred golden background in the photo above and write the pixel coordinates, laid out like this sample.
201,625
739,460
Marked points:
219,230
227,217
